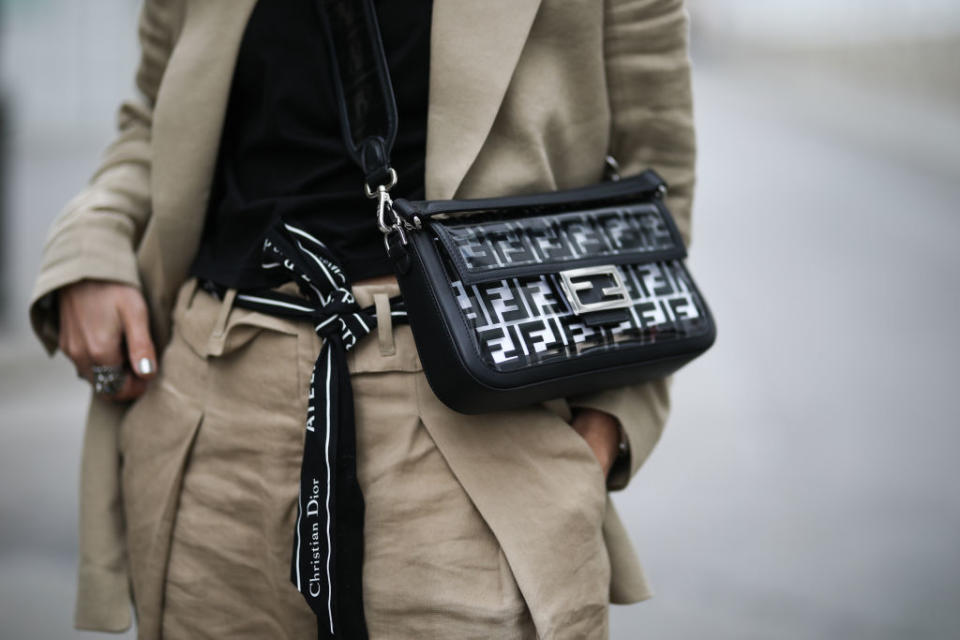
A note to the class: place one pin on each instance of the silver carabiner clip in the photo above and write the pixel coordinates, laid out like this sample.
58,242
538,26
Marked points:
385,204
372,193
387,219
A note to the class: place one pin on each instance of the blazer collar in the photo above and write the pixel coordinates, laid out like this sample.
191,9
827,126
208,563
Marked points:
475,45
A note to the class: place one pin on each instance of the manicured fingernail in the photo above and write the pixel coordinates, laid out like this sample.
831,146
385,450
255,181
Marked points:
145,366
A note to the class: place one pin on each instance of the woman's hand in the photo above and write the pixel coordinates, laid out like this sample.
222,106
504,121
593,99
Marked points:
96,318
601,431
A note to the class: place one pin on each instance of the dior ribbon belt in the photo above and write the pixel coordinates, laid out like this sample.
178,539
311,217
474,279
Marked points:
327,558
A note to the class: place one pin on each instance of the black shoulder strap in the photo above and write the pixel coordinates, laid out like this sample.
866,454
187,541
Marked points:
361,80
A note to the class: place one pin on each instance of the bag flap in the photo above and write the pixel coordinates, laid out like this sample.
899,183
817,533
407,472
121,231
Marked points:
492,246
617,222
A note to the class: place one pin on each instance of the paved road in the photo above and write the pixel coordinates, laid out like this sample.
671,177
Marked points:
807,483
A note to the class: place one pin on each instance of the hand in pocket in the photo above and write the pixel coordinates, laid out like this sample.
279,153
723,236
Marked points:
601,431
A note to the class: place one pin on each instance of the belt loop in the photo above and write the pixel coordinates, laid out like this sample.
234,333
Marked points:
187,293
215,343
384,324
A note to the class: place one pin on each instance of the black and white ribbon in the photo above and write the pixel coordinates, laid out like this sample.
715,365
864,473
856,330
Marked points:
328,543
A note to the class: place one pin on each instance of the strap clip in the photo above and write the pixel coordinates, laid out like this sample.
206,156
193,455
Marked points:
372,192
388,220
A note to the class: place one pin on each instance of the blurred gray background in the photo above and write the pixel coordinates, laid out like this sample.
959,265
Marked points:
807,483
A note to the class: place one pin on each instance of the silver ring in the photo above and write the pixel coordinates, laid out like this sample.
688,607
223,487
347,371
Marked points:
108,379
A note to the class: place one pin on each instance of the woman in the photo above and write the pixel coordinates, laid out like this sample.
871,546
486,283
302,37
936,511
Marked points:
476,526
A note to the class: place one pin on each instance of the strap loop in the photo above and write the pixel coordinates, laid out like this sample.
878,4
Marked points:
374,192
375,161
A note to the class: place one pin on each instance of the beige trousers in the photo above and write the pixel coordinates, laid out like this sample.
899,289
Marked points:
211,461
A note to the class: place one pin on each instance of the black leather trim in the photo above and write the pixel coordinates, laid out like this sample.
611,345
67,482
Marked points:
643,186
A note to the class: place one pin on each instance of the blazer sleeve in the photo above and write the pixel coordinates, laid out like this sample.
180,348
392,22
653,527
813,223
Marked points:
648,82
96,235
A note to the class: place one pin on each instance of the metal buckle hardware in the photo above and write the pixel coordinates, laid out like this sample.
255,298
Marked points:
372,193
572,282
385,207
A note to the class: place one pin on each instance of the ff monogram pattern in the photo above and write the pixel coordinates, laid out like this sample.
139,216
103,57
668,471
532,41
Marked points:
559,238
518,322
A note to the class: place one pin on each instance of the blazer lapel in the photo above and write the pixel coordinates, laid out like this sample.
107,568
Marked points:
475,45
188,121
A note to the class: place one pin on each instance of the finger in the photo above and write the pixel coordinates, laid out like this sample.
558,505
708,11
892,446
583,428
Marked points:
84,370
78,354
136,330
133,387
72,344
105,350
104,345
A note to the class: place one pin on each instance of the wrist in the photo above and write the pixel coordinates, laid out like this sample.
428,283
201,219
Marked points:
602,431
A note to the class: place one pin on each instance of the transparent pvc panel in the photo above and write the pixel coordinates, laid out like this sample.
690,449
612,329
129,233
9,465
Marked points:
519,322
560,238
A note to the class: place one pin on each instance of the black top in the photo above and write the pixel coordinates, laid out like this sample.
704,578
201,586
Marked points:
282,154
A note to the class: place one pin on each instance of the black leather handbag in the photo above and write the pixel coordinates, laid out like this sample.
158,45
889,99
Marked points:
516,300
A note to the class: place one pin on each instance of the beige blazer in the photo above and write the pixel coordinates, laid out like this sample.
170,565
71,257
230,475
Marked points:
525,96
